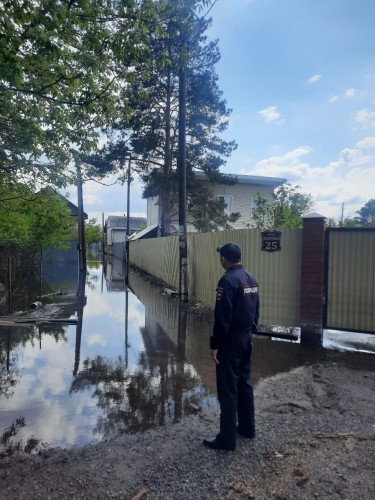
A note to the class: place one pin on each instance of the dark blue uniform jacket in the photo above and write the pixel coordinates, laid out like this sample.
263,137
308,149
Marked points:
237,306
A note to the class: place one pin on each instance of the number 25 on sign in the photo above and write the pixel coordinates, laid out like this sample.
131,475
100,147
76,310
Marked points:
271,241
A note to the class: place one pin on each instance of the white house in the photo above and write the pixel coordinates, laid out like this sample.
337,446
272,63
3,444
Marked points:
239,197
115,233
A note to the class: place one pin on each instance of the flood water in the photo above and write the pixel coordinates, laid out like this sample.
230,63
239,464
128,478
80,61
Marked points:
134,360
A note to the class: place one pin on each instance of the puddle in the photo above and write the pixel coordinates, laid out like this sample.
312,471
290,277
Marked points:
133,361
349,341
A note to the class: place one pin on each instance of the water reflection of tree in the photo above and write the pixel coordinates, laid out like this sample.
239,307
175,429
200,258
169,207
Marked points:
57,331
8,374
92,261
161,393
10,445
91,279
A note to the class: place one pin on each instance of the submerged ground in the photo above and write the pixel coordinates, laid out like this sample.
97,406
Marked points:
315,439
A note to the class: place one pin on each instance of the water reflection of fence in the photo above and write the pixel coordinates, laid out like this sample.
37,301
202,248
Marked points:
190,338
188,333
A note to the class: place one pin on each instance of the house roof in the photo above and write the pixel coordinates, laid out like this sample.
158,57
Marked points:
118,221
147,231
249,179
314,215
73,208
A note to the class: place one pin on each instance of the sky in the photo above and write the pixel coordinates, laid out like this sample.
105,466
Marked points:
299,76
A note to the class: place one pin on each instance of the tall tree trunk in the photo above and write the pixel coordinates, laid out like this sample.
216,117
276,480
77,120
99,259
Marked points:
165,198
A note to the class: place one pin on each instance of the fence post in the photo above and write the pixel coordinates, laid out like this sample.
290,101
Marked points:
312,285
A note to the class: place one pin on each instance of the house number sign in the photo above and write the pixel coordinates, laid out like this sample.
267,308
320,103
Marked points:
271,241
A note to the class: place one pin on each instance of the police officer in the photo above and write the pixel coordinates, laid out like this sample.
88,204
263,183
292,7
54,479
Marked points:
236,317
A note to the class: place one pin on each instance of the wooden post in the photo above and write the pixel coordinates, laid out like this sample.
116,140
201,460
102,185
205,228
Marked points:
312,286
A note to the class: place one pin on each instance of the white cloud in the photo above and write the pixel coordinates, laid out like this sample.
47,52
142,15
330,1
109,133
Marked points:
349,93
344,180
270,114
288,165
96,339
90,199
366,143
349,158
366,118
314,78
97,306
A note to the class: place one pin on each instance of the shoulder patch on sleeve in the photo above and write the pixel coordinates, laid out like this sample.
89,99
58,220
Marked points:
219,292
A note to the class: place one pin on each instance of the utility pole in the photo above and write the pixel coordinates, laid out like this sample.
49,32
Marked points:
127,226
81,302
103,242
181,165
81,223
126,326
342,214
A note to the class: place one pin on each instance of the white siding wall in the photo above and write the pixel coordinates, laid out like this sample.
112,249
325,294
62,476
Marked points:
241,202
118,235
152,212
242,195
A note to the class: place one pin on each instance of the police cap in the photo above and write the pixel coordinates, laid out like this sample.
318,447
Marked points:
230,252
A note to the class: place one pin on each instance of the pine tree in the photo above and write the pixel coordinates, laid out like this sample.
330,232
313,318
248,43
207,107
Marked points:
367,214
151,133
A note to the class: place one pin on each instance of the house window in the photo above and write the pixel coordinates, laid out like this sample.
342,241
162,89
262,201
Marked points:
227,199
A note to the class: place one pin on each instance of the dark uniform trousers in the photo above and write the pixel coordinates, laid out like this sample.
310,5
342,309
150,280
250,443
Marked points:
235,392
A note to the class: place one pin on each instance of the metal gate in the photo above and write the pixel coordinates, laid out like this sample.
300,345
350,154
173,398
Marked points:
349,279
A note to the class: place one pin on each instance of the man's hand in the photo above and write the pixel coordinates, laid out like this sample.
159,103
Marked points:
213,354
